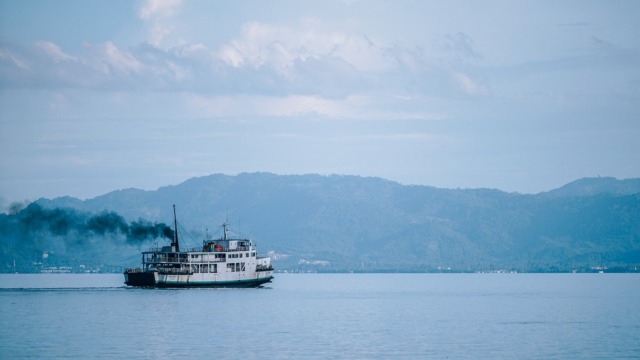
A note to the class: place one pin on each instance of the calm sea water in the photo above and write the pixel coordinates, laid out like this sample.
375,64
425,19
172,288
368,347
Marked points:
324,316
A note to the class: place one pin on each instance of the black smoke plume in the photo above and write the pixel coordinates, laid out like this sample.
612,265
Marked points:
64,221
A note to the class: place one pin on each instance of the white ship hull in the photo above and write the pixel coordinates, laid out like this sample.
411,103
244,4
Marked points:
153,279
200,280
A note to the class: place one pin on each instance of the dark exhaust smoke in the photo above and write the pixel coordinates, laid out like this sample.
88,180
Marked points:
62,222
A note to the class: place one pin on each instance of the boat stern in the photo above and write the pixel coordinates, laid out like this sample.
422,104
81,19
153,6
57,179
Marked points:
137,277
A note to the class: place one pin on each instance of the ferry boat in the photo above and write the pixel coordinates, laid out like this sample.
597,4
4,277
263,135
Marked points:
225,262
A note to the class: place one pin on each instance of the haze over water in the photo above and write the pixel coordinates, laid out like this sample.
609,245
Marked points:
319,316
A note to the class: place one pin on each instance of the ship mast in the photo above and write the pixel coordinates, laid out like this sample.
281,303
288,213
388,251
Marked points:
175,246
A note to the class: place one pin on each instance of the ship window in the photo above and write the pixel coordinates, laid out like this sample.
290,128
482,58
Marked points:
240,255
231,267
204,268
241,266
237,266
213,268
247,254
253,254
194,268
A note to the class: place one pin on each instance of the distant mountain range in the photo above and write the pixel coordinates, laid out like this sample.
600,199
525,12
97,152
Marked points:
341,223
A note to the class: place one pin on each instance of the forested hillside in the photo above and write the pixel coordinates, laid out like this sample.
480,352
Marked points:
342,223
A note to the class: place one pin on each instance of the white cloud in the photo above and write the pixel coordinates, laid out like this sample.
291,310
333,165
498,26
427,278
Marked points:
363,53
7,55
157,15
107,58
225,106
158,32
280,47
231,55
261,44
54,51
469,86
158,8
352,107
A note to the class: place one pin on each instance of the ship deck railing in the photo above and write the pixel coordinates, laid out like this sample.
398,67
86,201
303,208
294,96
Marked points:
159,249
166,260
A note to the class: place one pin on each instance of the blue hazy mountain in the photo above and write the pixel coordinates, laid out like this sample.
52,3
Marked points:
350,223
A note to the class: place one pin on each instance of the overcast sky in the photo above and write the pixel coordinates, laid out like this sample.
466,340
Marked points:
521,96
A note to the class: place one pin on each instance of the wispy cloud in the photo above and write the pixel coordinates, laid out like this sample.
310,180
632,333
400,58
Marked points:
352,107
294,105
108,58
156,14
469,86
12,60
281,47
54,51
158,8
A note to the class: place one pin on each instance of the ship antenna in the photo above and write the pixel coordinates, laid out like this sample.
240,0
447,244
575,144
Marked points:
224,226
175,246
